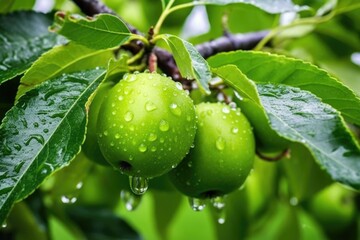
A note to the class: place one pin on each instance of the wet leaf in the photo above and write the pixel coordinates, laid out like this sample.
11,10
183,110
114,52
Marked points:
301,117
24,36
189,61
42,133
62,59
270,68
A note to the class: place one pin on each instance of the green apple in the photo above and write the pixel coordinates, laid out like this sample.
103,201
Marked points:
334,207
222,156
146,125
91,147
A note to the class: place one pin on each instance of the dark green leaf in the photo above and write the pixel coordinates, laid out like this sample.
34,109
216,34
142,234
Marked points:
101,224
264,68
101,32
278,6
24,36
189,61
42,133
301,117
63,59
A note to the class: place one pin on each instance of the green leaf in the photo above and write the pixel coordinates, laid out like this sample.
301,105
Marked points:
42,133
250,104
24,36
278,6
236,79
189,61
62,59
304,176
270,68
101,223
100,32
301,117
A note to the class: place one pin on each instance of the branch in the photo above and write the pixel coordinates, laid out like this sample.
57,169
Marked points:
166,62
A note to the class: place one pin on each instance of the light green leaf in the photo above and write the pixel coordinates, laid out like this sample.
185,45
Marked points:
277,6
267,140
100,32
270,68
301,117
24,36
62,59
189,61
42,133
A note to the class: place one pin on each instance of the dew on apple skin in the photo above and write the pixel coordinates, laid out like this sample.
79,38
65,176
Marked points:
197,204
220,143
174,109
150,106
164,125
138,185
128,116
142,148
130,200
152,137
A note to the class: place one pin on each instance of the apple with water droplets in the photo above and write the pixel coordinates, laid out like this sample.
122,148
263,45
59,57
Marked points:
91,147
146,125
222,156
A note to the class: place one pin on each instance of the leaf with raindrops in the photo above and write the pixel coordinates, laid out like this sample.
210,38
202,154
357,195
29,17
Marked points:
24,36
42,133
271,68
301,117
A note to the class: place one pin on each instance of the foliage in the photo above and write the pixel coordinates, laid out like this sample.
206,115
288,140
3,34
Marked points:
298,87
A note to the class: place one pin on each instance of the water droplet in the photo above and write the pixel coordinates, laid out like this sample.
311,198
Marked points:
127,90
294,201
174,165
152,137
226,109
150,106
131,200
138,185
79,185
68,200
120,98
164,126
235,130
17,146
142,148
106,133
197,204
36,124
46,130
189,164
174,109
179,86
128,116
117,136
132,78
220,143
37,137
218,202
153,149
221,216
